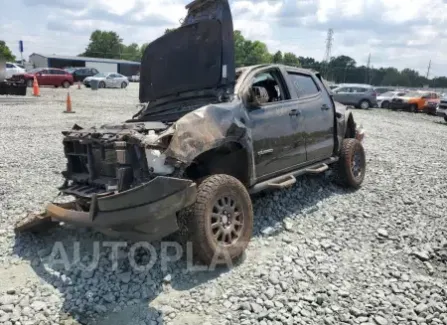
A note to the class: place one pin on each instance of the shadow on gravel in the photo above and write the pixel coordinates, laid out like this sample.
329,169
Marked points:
442,122
120,296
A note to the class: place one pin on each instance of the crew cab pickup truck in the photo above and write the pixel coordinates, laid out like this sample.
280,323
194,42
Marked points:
207,136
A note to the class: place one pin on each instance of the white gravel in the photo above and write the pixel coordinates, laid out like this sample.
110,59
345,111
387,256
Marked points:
320,254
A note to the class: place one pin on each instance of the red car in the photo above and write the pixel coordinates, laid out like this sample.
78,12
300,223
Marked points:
46,77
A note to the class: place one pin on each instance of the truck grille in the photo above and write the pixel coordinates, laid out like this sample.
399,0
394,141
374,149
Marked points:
92,159
104,161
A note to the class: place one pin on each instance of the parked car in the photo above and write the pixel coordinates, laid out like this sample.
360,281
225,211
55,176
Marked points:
442,108
416,101
79,74
46,77
12,69
331,87
382,90
108,80
135,78
384,99
359,95
193,154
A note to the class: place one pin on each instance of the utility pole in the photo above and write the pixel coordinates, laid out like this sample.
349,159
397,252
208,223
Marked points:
367,69
428,69
327,55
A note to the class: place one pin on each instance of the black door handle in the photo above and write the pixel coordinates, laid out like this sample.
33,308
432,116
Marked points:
324,107
294,112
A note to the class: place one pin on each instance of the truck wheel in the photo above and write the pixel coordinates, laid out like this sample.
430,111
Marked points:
445,118
352,163
220,223
385,104
66,84
413,108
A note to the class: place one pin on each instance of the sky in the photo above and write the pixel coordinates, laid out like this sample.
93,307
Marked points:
398,33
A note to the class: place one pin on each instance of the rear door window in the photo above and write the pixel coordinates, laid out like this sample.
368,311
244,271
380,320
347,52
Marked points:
359,90
56,72
304,84
343,90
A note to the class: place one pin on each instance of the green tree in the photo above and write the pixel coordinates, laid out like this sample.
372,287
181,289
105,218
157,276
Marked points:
277,57
5,52
392,77
250,52
104,44
291,59
131,52
309,63
143,48
168,30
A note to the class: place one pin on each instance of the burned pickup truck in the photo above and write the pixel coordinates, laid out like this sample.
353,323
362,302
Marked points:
207,136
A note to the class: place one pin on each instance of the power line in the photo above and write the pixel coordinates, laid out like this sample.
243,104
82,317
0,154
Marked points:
329,40
367,69
428,69
327,55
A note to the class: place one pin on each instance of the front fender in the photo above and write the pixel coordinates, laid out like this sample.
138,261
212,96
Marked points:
346,126
211,127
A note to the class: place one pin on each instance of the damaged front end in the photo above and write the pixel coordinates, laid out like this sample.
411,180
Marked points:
121,182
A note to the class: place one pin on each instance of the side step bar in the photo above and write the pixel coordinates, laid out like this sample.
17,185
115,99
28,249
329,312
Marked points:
289,179
317,169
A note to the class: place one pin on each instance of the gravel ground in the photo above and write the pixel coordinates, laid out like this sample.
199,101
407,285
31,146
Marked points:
320,254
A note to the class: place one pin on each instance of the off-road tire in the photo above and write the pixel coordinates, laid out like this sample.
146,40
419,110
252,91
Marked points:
198,219
346,176
385,104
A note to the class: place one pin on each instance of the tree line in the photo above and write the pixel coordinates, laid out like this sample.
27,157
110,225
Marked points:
339,69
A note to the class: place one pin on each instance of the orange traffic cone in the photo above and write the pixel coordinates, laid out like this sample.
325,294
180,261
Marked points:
36,90
68,104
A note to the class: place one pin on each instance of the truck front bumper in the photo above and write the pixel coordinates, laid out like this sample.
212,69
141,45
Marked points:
146,212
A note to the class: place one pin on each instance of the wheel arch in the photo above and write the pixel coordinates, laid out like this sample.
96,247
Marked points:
231,158
346,128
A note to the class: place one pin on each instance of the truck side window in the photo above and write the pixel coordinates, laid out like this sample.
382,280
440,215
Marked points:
304,84
271,83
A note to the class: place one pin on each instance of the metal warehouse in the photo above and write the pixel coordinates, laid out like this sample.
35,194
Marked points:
127,68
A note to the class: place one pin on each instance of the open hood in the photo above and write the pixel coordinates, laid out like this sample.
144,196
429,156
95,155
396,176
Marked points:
198,55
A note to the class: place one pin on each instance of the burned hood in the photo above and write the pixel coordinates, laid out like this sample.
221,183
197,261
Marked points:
198,55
